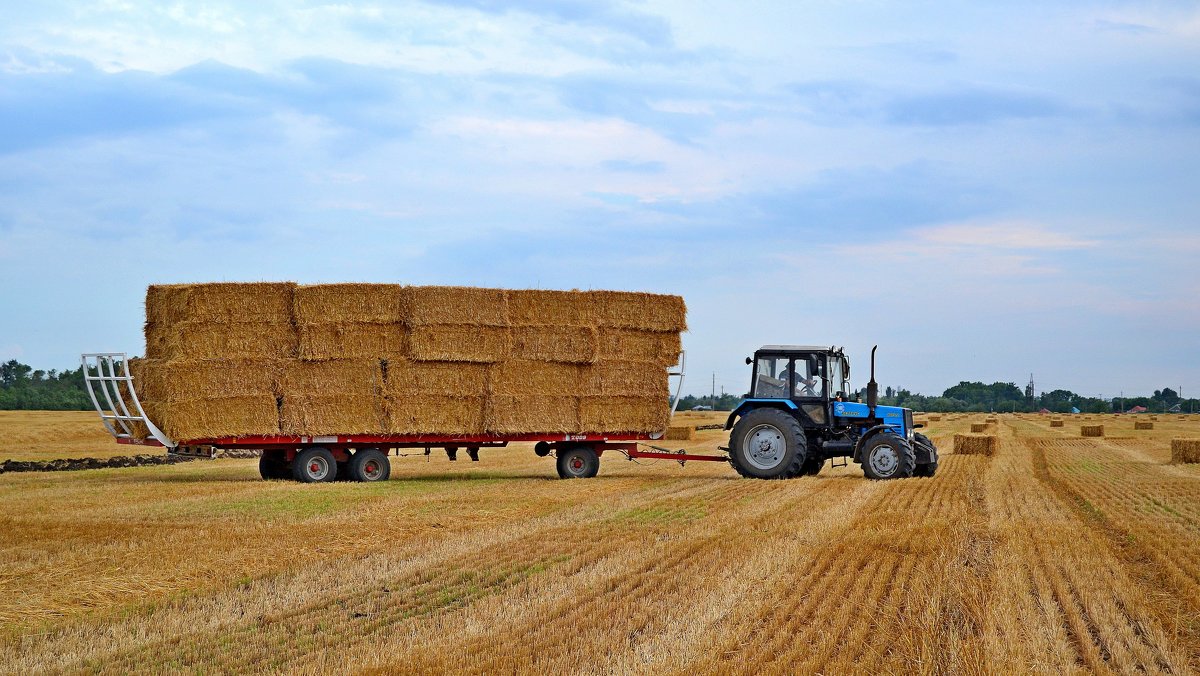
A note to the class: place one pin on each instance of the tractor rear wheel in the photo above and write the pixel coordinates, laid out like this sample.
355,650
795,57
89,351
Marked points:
888,456
767,444
578,462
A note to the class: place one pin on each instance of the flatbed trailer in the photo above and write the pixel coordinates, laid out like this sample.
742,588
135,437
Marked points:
357,457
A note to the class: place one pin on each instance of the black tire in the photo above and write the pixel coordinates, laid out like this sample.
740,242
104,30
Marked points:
926,470
314,465
930,468
811,467
370,464
273,465
578,462
887,456
781,446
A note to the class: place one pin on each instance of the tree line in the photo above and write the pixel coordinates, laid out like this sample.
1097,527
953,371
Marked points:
23,388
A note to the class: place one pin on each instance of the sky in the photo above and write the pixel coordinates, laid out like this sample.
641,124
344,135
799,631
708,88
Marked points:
985,189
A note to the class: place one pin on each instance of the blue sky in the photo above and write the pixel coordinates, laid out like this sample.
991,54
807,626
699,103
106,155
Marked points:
984,189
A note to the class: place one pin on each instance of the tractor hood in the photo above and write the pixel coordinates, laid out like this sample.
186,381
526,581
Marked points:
892,416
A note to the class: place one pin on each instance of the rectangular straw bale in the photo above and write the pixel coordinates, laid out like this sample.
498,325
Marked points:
644,311
350,303
624,414
221,340
531,413
979,427
934,418
626,378
351,340
331,414
1056,423
1139,425
536,307
633,345
568,344
521,377
1154,417
975,444
341,377
195,419
1185,450
406,377
434,414
1091,430
459,342
456,305
182,379
680,433
267,302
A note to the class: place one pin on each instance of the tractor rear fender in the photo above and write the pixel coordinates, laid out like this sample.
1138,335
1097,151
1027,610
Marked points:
871,434
750,404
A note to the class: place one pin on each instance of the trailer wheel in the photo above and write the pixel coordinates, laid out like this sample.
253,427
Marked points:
314,465
370,464
887,456
274,465
578,462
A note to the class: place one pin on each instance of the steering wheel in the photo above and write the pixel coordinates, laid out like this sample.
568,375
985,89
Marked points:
806,390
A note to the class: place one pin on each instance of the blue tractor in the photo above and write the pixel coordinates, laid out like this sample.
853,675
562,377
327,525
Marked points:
799,415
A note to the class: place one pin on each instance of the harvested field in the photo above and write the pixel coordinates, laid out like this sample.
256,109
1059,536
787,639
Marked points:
478,566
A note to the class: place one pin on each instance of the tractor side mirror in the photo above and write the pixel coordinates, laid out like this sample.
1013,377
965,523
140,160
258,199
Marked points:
749,361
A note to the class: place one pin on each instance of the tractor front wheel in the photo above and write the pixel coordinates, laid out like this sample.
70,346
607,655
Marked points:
767,444
888,456
930,468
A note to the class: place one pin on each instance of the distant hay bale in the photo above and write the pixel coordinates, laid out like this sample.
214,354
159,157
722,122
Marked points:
975,444
214,417
253,302
991,419
935,418
434,414
568,344
1056,423
979,427
535,378
340,377
634,345
625,378
644,311
680,433
351,340
221,340
456,305
459,342
527,413
624,414
1139,425
1154,417
1091,431
1185,450
350,303
329,414
535,307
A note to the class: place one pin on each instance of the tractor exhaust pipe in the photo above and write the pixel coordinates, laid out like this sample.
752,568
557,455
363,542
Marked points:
872,387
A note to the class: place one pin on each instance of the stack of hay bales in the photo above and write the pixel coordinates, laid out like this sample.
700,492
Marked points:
277,358
1091,430
975,444
1185,450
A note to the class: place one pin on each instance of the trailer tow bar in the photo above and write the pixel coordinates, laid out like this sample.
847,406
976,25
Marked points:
681,456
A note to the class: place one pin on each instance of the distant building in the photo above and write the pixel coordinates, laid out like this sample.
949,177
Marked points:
1138,409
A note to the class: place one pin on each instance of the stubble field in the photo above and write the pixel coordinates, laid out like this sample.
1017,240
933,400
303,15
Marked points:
1058,554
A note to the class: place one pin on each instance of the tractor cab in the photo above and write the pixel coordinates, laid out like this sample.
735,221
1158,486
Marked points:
799,414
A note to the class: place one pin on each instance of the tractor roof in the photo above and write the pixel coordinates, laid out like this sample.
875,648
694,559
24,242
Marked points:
799,348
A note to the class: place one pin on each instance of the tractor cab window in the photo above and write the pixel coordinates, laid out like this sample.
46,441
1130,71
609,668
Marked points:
837,376
809,380
771,381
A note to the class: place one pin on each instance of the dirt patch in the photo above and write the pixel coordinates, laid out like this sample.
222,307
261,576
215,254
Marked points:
71,464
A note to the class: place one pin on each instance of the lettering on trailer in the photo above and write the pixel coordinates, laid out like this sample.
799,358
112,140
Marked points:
324,440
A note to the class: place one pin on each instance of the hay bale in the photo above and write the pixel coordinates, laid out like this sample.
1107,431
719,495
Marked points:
434,414
536,307
520,377
636,345
644,311
459,342
568,344
1056,423
340,377
350,303
404,377
935,418
320,414
1139,425
221,340
528,413
680,433
351,340
976,444
623,414
456,305
254,302
1154,417
991,419
1091,430
213,417
625,378
979,427
1185,450
182,379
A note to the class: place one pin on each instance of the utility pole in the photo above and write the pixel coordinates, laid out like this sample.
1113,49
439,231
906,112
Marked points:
714,391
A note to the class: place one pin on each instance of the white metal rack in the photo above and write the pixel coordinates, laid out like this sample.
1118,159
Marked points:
100,371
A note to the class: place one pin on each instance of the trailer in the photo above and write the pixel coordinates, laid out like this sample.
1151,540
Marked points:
357,457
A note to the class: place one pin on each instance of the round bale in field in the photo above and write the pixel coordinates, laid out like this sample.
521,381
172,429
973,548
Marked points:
1091,430
1185,450
975,444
